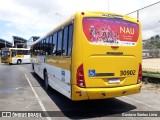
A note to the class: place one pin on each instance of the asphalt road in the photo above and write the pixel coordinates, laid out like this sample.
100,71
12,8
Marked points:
22,90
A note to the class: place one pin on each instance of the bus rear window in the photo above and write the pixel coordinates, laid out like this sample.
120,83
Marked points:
110,31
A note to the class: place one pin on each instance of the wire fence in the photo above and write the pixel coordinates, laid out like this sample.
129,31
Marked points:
149,17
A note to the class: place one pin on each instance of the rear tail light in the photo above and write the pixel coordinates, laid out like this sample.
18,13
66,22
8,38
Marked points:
139,74
114,47
80,77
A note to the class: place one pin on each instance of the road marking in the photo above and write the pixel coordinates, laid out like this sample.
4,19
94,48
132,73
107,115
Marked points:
142,103
39,101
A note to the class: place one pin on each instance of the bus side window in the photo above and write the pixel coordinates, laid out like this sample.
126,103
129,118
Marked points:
26,52
33,50
13,53
47,46
70,40
41,44
54,46
59,46
36,49
65,41
50,45
19,52
40,48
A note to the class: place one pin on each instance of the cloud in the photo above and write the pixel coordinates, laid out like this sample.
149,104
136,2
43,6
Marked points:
37,17
150,20
150,17
27,20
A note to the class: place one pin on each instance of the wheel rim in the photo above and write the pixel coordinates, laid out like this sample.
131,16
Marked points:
19,62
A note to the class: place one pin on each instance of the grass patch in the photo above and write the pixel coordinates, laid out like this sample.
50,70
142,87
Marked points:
151,74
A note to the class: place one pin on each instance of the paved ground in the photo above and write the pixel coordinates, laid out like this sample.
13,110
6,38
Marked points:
152,64
21,90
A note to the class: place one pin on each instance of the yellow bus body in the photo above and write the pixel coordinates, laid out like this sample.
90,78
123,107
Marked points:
110,70
14,59
94,56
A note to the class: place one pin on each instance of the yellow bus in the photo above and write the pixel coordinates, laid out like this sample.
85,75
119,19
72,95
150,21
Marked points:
15,55
92,55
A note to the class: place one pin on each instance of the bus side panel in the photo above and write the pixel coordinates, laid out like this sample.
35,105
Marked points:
26,59
23,58
58,70
38,62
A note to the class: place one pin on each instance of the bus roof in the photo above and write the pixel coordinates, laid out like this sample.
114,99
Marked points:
69,20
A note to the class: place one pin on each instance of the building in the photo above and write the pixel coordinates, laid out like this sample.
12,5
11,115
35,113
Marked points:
29,43
33,39
18,42
5,43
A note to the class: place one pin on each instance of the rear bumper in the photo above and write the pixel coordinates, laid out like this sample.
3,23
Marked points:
103,93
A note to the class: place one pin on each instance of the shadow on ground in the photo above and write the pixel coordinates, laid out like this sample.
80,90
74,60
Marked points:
85,109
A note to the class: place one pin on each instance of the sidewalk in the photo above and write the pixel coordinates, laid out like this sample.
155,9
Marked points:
151,65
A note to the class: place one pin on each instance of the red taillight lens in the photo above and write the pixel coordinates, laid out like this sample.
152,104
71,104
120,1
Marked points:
114,47
139,74
80,77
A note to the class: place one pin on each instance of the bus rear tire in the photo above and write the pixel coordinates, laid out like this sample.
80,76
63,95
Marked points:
47,87
19,61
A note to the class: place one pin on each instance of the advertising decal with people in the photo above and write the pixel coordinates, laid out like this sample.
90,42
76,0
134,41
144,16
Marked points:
110,31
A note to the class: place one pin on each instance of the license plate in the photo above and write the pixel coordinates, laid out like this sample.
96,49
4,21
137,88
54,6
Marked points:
113,80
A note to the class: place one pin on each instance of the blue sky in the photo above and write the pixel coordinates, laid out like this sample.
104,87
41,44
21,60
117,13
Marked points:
26,18
6,27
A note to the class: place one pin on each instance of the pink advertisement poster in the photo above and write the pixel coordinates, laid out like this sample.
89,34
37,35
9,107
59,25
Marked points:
110,31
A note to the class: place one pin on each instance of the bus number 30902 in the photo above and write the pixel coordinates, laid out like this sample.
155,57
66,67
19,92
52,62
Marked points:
127,72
